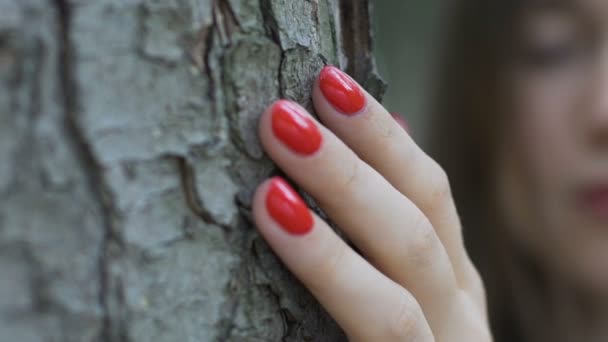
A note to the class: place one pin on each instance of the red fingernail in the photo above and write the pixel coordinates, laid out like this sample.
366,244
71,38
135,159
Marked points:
287,208
294,128
341,90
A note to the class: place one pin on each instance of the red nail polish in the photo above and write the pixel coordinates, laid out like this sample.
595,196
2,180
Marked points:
294,128
287,208
341,90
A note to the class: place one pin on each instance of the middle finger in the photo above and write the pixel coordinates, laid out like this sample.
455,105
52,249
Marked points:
389,229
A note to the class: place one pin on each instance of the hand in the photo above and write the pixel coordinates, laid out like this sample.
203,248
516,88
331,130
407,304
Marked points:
415,281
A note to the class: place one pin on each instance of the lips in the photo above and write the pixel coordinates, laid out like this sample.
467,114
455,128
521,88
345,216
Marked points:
595,200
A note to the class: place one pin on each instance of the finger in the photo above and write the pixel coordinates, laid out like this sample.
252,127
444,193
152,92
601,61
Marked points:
351,290
374,135
389,229
401,121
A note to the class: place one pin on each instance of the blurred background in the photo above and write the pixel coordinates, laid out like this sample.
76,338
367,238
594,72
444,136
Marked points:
406,38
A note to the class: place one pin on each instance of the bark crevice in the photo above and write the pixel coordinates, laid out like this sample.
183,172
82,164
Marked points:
112,329
192,198
270,21
136,124
357,42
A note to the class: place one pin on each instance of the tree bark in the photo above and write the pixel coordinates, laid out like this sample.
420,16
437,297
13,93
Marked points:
128,157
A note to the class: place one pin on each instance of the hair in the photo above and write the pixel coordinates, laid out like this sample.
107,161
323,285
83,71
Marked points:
470,105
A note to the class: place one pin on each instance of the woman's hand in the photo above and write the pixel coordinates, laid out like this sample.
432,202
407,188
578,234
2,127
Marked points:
415,281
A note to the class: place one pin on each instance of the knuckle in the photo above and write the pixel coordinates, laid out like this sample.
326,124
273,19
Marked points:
406,323
477,287
441,192
423,245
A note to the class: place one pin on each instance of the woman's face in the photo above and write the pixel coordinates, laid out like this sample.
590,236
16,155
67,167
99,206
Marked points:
554,160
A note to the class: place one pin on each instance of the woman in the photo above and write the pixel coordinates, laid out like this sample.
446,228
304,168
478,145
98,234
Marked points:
531,180
522,131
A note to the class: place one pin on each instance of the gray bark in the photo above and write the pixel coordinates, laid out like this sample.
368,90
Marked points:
128,156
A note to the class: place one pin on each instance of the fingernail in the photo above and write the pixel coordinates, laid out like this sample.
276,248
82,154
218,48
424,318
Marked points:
401,121
294,128
341,91
287,208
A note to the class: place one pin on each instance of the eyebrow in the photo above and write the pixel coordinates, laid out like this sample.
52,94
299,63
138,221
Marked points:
580,8
575,8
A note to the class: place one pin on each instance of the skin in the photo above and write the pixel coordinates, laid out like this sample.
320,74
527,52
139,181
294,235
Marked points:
416,282
556,149
413,280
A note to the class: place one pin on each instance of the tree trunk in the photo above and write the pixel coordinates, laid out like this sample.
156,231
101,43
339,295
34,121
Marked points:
128,156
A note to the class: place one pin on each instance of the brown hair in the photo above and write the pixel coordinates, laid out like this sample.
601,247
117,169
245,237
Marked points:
469,106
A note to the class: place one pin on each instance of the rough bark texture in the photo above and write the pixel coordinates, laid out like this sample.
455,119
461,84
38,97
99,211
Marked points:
128,156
